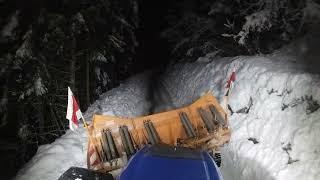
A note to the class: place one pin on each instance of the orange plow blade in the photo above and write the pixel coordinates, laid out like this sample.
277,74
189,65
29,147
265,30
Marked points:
202,124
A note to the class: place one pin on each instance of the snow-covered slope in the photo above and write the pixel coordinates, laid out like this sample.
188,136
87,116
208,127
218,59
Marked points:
278,137
130,99
275,124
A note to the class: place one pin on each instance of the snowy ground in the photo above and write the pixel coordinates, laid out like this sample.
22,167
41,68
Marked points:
284,118
274,135
128,100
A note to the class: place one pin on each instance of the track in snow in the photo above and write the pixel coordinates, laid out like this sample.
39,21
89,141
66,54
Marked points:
159,95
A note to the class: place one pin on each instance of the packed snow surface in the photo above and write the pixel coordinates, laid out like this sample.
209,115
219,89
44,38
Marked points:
275,121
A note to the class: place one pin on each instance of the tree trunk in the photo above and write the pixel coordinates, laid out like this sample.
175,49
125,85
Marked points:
73,65
41,113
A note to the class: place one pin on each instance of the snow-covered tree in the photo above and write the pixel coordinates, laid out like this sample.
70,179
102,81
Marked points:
49,45
229,27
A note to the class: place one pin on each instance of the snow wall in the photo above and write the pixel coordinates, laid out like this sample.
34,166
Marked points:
276,120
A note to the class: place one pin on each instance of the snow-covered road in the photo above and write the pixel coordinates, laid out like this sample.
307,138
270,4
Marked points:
274,135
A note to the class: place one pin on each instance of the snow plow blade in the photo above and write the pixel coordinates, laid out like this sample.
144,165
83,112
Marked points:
201,125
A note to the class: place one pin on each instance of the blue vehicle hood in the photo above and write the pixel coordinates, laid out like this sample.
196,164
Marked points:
164,162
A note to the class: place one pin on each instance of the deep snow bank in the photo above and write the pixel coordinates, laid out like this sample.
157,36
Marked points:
275,134
278,137
50,161
131,99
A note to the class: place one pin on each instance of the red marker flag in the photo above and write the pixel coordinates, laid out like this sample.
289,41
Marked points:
230,81
73,111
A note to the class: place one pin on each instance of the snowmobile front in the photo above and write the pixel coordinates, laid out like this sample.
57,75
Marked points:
158,162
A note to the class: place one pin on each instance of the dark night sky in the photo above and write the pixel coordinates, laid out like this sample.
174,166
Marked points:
152,51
